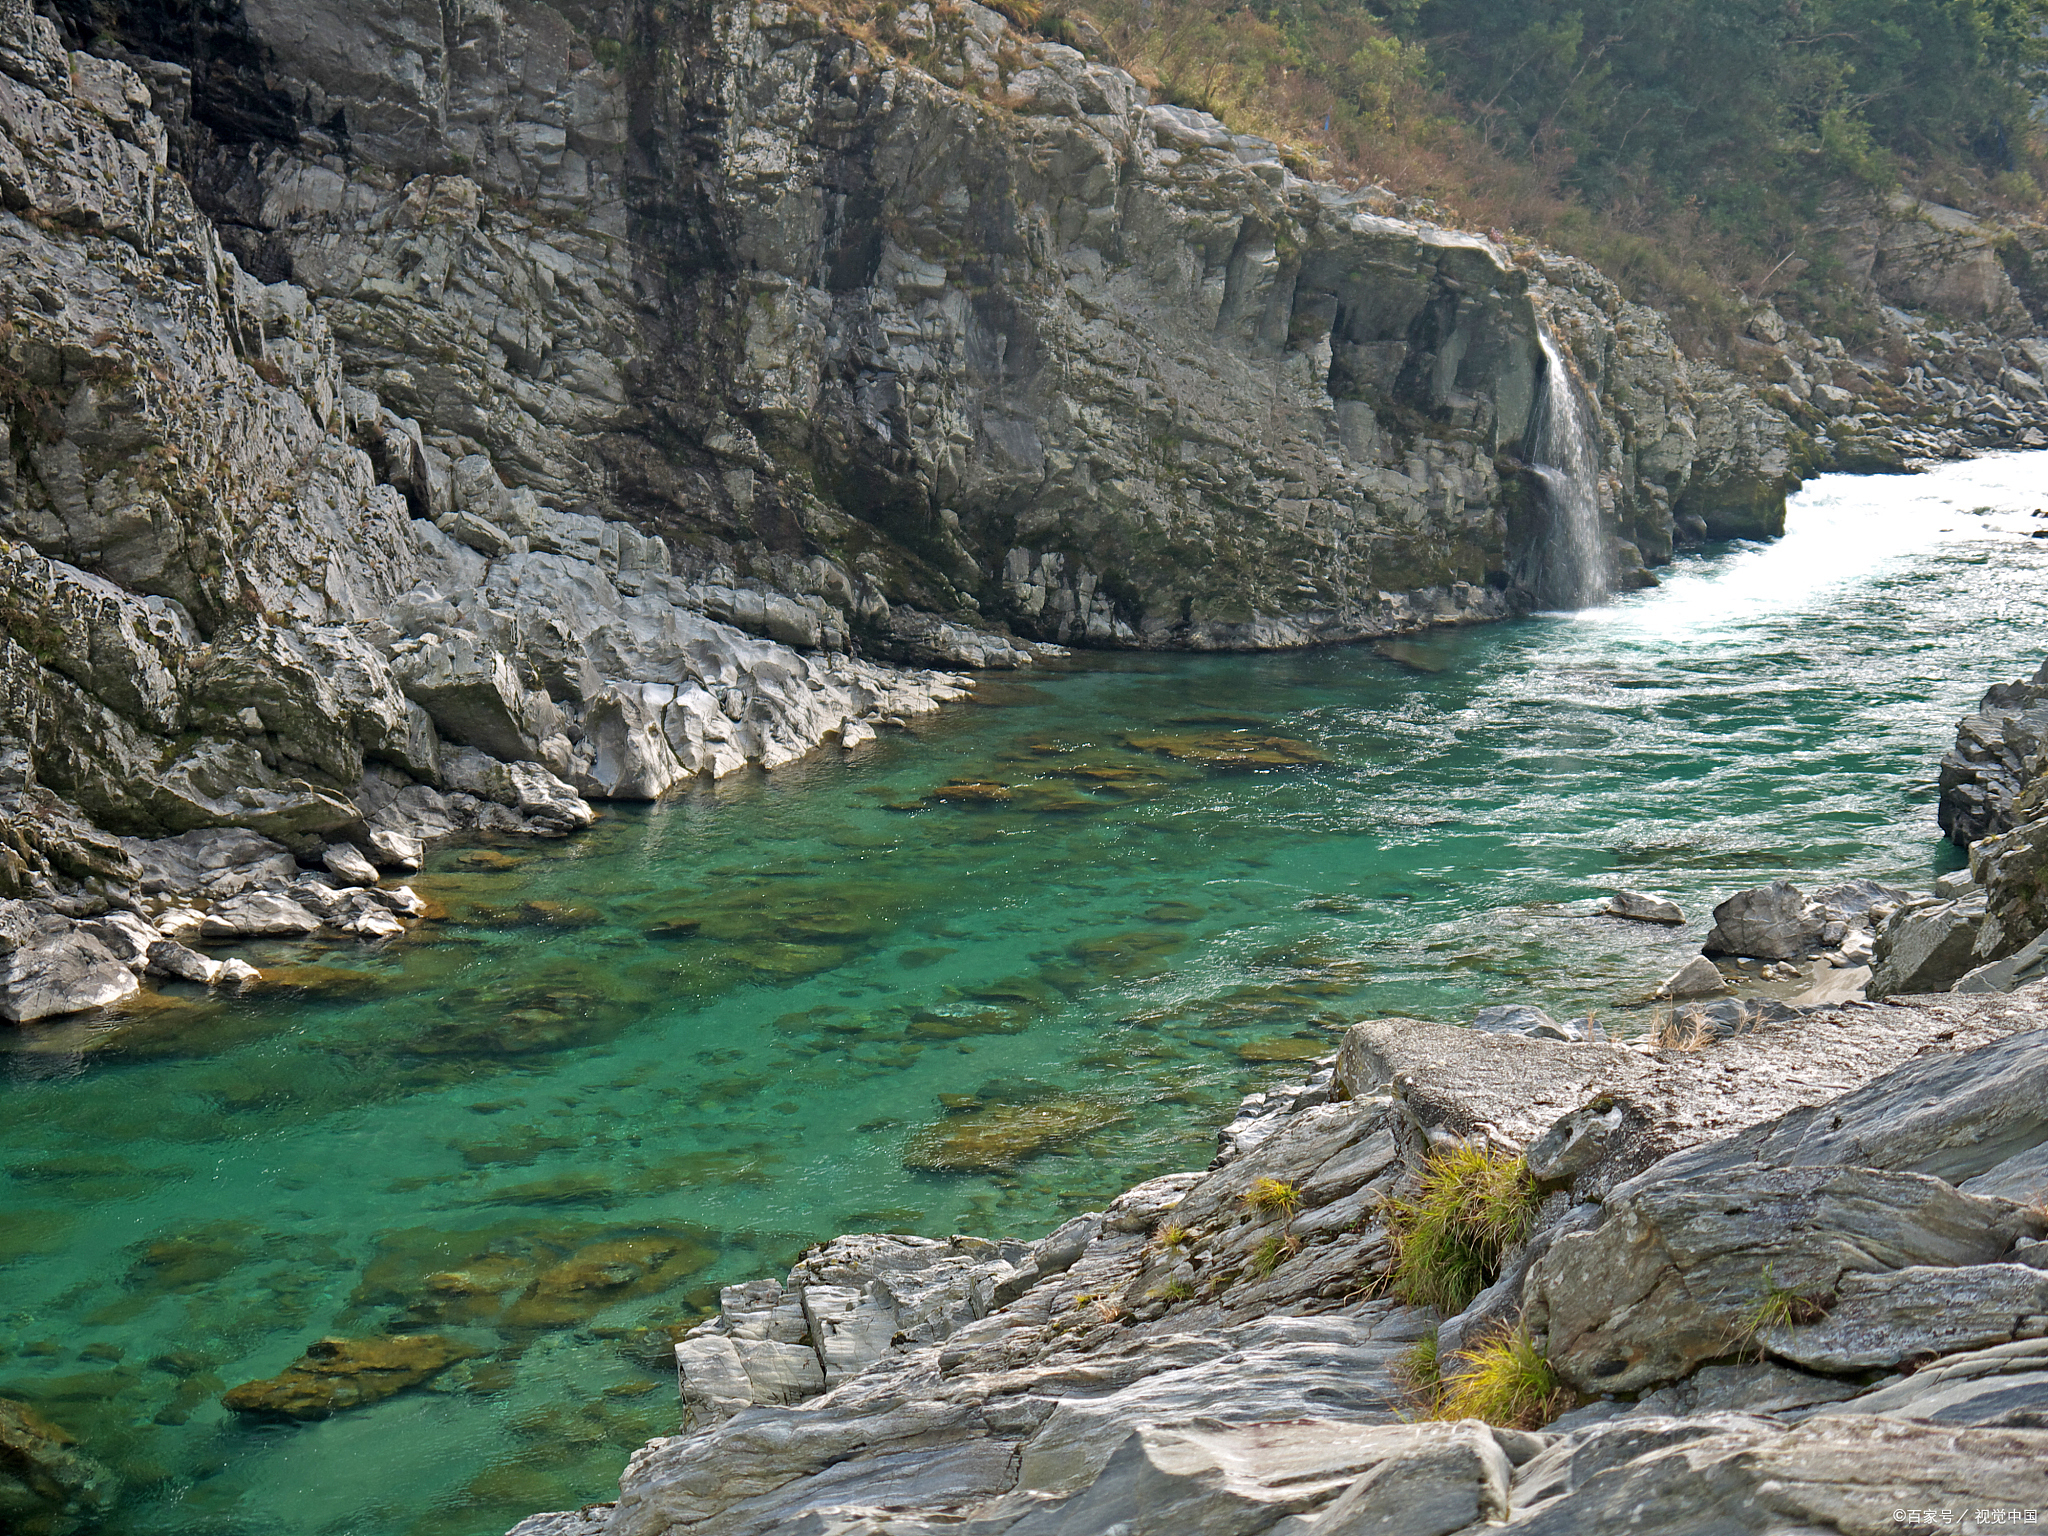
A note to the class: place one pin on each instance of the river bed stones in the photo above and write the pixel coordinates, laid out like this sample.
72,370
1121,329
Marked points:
337,1374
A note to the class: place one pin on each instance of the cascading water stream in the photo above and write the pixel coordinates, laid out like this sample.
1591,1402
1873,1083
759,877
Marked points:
1569,563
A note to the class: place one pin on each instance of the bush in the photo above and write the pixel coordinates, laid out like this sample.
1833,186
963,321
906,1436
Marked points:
1448,1239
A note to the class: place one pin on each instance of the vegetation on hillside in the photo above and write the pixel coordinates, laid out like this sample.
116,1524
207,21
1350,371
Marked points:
1689,148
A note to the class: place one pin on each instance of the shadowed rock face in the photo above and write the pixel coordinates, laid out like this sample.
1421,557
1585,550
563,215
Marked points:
955,322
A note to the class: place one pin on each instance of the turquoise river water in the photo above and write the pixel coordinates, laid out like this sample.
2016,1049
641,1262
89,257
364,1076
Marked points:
669,1054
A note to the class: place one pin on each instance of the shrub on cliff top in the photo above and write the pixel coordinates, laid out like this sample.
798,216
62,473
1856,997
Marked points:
1448,1238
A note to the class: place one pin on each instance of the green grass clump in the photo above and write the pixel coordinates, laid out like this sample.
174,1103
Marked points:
1505,1381
1171,1236
1449,1237
1175,1290
1273,1197
1272,1253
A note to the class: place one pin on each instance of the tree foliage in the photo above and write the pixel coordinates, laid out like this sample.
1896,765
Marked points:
1715,98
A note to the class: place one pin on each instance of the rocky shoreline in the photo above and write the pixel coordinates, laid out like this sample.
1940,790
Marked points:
1779,1264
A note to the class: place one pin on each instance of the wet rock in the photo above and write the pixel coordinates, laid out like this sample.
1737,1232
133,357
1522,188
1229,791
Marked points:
258,914
1926,948
336,1374
1639,908
174,962
1772,922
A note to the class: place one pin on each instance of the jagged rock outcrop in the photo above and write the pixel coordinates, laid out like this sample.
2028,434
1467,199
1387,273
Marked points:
1993,761
935,323
1187,1361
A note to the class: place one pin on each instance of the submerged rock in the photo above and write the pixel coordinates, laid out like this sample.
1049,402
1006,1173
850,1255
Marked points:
1229,749
335,1375
45,1485
996,1139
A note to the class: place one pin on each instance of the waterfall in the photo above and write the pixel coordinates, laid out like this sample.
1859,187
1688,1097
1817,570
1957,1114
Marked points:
1568,566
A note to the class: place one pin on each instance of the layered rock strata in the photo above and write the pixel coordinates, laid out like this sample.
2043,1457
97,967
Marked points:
222,611
1188,1361
916,321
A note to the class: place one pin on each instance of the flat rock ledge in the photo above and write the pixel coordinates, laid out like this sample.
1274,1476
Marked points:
1183,1363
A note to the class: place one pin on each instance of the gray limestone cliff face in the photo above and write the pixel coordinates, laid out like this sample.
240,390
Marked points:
949,324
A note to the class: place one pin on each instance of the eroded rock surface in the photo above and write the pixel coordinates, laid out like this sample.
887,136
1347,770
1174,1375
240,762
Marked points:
1185,1361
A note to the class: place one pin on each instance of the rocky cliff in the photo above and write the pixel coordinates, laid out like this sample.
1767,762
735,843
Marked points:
634,393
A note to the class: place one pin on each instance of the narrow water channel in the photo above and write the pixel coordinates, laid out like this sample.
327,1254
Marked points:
976,977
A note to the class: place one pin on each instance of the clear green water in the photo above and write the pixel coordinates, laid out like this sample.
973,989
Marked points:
714,1031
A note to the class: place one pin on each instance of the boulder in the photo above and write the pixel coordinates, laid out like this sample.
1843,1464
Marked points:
1771,922
1926,948
258,914
1874,1322
210,863
1955,1114
1698,977
2024,968
126,936
56,969
347,862
549,806
1638,908
1679,1269
395,850
174,962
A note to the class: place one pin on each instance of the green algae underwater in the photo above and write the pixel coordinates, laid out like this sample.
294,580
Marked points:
974,978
